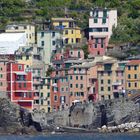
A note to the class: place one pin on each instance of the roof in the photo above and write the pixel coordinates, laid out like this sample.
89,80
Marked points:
10,36
134,62
10,42
63,19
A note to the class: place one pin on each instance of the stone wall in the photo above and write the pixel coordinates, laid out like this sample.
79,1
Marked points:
91,115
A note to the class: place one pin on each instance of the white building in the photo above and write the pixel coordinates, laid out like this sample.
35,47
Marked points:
10,42
50,41
101,22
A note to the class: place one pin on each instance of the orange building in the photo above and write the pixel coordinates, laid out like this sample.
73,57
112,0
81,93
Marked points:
132,77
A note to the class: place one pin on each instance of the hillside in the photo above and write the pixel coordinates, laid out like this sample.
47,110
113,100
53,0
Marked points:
128,29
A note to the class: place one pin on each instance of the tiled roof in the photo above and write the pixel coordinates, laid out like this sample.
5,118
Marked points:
134,62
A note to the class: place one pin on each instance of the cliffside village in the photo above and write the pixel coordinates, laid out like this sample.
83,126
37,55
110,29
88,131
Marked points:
42,65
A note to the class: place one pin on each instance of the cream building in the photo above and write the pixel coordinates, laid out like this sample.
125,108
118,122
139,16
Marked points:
28,29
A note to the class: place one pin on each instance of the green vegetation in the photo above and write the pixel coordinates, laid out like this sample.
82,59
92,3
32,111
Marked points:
128,30
85,49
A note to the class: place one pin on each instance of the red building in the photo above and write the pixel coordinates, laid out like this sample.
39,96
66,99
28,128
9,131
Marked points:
97,45
20,85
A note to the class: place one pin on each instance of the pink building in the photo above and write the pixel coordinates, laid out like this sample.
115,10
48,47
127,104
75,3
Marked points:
97,45
76,53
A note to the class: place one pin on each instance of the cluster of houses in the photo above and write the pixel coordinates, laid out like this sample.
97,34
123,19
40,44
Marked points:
42,65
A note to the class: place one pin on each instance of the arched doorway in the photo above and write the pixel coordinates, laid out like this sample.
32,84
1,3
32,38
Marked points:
91,98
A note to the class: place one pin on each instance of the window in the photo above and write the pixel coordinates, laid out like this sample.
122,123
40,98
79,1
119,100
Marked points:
81,86
102,88
109,73
60,23
70,77
95,45
66,32
76,85
71,31
62,89
42,34
25,27
53,42
1,84
24,85
19,85
109,97
103,20
96,40
98,52
53,34
135,76
48,95
135,67
42,43
41,94
102,45
66,40
76,77
48,87
109,88
129,84
135,84
19,67
102,81
129,67
27,57
129,76
95,20
1,75
55,98
72,40
102,73
81,77
1,68
70,85
105,13
48,102
109,81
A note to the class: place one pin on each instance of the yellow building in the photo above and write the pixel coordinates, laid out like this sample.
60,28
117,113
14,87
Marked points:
29,29
132,76
45,97
71,32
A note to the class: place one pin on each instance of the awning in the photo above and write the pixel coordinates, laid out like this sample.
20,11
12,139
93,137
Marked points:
21,73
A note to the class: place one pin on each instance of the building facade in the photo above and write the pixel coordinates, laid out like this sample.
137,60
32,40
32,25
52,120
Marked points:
71,32
28,29
132,77
50,41
20,85
101,22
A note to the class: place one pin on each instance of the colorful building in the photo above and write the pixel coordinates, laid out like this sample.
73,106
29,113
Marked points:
132,77
50,41
71,32
101,22
45,96
3,78
28,29
20,85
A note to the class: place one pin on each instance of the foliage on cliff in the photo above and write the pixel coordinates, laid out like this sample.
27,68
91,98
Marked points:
128,29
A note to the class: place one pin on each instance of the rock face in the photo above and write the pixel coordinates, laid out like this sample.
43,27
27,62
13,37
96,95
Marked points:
14,120
92,115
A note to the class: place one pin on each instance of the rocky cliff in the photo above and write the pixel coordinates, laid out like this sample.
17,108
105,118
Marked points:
14,119
92,115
